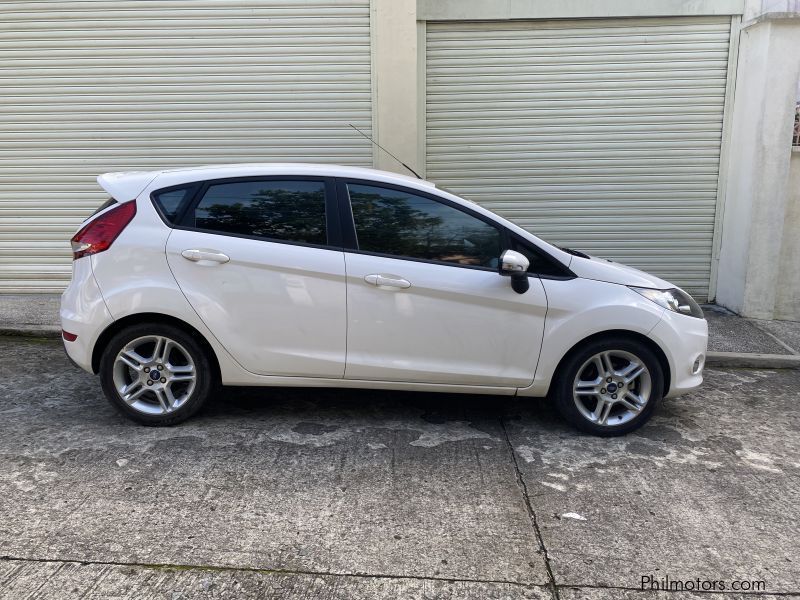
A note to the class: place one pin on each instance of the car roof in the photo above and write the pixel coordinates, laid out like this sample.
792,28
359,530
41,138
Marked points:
129,184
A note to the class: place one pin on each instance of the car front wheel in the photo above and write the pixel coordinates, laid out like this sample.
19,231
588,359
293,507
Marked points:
156,374
610,387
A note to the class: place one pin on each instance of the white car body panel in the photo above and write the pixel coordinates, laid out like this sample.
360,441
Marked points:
461,330
429,332
84,313
600,269
279,309
684,340
579,308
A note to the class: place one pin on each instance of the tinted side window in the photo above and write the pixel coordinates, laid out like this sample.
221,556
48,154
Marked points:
403,224
292,211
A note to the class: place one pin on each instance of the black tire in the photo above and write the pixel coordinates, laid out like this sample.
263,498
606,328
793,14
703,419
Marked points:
204,382
563,387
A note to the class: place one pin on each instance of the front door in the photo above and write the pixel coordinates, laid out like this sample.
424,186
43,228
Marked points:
425,300
255,261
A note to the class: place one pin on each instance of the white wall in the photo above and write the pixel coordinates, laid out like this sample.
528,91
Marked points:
787,302
395,105
750,279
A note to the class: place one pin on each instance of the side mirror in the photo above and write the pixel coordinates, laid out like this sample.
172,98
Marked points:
515,265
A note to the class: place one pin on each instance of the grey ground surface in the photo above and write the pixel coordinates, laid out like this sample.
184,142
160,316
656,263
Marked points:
36,312
729,332
361,494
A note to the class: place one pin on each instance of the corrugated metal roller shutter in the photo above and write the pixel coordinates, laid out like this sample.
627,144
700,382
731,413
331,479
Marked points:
600,135
95,86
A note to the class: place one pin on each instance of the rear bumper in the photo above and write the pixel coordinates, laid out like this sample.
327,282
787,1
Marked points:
684,341
83,313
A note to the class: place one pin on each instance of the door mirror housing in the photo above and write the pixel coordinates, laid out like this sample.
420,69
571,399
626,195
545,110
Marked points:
515,265
512,262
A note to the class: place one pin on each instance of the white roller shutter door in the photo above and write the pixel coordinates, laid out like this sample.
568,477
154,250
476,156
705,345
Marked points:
94,86
600,135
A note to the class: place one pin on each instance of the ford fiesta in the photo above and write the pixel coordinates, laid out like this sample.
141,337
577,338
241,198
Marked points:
319,275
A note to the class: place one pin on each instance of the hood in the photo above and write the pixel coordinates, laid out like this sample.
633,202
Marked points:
601,269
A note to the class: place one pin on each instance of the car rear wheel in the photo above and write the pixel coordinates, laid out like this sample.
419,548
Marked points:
156,374
610,386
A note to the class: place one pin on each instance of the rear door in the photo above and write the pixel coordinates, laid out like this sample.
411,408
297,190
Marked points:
259,260
425,300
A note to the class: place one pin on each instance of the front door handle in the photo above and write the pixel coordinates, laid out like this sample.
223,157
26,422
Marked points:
387,281
196,255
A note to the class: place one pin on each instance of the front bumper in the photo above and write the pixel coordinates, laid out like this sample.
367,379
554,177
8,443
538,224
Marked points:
83,313
684,341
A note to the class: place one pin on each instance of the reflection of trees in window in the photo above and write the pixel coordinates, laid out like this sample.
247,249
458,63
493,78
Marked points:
404,225
278,213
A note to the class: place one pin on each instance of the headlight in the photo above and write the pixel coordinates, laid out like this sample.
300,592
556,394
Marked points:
673,299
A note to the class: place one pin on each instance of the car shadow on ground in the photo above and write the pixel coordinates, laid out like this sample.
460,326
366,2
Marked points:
233,403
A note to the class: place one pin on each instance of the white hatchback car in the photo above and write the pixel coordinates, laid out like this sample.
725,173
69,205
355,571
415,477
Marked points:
320,275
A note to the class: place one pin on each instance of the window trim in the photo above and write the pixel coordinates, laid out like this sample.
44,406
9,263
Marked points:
332,219
350,238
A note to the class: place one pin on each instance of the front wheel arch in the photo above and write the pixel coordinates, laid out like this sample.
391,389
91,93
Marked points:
109,332
616,333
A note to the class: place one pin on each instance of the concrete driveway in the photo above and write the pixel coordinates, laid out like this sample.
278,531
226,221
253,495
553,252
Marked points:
342,494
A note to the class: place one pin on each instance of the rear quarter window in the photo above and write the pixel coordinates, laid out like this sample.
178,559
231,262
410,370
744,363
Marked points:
172,201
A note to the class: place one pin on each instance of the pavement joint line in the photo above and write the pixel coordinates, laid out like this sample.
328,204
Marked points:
181,567
531,513
264,571
773,336
591,586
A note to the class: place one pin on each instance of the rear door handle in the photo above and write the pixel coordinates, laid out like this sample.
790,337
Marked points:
383,280
196,255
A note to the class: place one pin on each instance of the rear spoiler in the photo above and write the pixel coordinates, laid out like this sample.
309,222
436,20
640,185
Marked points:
126,185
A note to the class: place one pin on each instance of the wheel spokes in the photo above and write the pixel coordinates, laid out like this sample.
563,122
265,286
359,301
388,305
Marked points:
601,411
132,391
164,400
631,372
588,388
611,387
633,401
131,358
146,365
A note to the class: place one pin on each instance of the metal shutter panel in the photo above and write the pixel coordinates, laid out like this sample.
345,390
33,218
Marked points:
95,86
600,135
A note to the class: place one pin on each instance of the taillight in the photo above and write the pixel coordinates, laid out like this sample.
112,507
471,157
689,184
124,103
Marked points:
98,235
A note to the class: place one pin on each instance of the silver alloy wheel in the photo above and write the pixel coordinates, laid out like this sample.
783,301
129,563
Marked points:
612,387
154,374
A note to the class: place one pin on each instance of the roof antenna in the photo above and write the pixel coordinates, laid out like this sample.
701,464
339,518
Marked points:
385,150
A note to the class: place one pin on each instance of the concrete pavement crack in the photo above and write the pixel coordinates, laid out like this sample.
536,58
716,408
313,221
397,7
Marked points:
531,513
265,571
224,569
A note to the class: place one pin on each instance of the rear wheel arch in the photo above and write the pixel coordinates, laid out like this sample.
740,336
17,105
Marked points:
617,333
109,332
